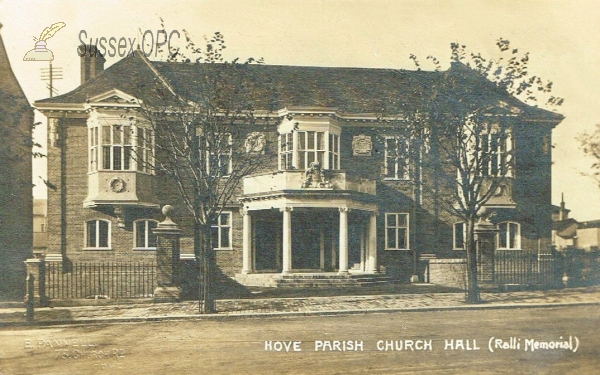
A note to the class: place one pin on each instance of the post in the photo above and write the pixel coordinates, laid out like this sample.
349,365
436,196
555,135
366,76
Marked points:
167,259
287,240
372,246
247,242
485,232
36,282
343,266
30,305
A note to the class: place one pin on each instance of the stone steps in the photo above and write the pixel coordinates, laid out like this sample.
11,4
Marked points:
299,280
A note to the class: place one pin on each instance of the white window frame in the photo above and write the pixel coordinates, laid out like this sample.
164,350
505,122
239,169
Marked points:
210,154
147,234
397,227
395,170
85,235
106,142
464,235
144,149
114,141
507,233
501,157
219,227
289,147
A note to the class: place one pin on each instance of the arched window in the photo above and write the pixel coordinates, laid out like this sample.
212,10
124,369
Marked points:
97,234
143,237
509,236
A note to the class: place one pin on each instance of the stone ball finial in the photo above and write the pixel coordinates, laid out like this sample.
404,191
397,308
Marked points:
167,210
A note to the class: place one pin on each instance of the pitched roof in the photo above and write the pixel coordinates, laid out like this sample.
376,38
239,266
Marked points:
349,90
9,86
589,224
561,225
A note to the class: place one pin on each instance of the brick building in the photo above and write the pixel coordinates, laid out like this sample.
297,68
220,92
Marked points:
357,212
16,200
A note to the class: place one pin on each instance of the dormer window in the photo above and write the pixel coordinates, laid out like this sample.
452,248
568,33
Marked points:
299,148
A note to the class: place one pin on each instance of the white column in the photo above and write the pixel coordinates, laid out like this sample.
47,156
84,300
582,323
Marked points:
372,247
247,239
343,266
287,239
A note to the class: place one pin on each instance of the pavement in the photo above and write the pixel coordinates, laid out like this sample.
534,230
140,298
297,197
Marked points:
413,299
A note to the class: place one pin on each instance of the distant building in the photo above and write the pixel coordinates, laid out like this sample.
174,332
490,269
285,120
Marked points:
588,235
570,233
40,225
16,200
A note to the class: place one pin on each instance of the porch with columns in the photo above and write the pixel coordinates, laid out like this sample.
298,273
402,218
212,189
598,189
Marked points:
291,231
309,240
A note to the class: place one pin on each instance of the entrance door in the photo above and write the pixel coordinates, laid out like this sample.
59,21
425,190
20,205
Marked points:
355,246
267,245
306,245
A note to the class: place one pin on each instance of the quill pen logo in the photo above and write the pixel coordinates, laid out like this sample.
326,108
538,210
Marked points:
40,52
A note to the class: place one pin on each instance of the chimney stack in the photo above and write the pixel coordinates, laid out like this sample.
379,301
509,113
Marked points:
563,212
92,62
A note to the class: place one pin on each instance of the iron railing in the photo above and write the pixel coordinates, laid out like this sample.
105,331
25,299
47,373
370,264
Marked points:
517,267
115,280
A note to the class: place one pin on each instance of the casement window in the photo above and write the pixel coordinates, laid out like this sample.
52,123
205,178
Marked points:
509,236
119,148
496,149
144,150
116,147
397,160
459,236
219,155
286,151
221,232
397,231
298,149
97,234
144,239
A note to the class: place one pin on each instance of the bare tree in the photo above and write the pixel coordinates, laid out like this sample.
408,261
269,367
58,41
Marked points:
590,143
206,139
458,132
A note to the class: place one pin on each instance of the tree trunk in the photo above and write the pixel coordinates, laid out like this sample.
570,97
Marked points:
206,296
471,248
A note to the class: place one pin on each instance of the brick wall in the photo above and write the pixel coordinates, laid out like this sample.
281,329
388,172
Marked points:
430,226
445,272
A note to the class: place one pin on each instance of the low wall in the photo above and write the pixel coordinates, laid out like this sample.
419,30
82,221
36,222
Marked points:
445,272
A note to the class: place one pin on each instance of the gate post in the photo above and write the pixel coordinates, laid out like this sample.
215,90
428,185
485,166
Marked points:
36,281
167,259
485,232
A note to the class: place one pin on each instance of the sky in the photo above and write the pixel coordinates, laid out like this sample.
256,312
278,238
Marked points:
562,37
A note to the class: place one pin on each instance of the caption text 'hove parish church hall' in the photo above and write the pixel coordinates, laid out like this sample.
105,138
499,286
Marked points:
337,196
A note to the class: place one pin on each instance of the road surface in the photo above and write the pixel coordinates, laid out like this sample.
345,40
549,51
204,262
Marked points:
497,341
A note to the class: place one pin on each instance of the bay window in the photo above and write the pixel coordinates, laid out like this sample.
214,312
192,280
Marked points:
496,149
300,148
119,148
